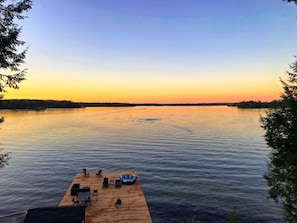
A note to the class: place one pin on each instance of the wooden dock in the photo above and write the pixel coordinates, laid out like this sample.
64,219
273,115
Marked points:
104,207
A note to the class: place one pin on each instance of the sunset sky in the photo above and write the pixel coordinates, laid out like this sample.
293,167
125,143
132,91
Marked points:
157,51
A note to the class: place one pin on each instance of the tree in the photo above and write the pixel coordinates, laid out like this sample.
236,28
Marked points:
291,1
280,127
11,58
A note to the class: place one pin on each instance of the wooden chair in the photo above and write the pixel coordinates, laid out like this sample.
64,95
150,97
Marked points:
74,189
105,182
118,183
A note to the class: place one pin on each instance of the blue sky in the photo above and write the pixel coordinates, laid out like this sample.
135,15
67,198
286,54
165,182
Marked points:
158,51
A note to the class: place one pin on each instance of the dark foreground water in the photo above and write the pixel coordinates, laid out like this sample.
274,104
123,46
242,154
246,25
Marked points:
201,163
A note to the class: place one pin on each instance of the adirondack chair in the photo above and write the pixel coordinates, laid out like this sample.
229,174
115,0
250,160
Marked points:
85,173
99,173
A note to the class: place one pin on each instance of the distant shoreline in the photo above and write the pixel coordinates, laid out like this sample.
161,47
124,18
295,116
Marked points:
33,104
118,104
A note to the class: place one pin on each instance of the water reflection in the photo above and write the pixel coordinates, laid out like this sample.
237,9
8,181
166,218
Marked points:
192,161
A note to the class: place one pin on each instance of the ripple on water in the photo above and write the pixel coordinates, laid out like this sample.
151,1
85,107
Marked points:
193,162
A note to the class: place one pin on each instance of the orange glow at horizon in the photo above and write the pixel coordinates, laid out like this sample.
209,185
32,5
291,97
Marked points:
147,93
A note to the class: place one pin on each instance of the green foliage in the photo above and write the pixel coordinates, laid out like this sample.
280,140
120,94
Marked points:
191,220
4,157
234,216
280,127
11,56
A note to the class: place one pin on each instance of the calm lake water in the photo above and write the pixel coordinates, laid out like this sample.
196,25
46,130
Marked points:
194,162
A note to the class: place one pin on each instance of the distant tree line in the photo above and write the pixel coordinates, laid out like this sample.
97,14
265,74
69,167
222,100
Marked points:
258,104
37,104
107,104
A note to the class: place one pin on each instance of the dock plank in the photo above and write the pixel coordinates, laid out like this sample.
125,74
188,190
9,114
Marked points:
103,208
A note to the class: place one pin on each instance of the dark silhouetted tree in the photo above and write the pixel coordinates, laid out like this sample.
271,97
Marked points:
291,1
11,56
280,127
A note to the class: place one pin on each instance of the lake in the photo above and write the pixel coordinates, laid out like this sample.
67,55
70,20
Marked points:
195,162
